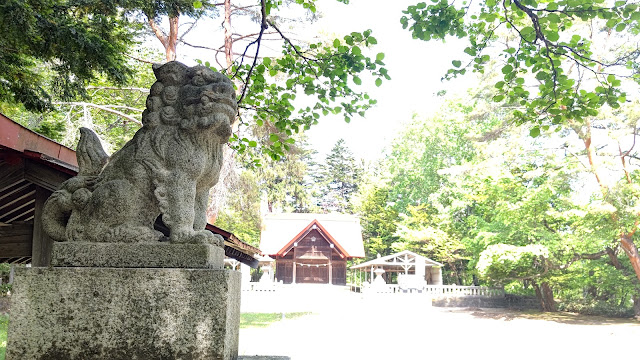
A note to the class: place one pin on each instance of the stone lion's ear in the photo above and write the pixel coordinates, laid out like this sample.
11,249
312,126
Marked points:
171,73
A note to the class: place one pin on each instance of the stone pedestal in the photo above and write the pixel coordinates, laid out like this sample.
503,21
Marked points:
82,311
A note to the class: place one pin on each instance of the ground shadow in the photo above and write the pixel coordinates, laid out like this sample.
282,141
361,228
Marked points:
559,317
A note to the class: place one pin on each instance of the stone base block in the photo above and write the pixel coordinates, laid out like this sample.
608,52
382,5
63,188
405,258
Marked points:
137,255
124,314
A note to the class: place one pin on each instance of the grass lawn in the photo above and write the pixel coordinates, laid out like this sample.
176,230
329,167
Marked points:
4,322
248,320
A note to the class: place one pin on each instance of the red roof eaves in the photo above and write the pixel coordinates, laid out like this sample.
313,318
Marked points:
17,137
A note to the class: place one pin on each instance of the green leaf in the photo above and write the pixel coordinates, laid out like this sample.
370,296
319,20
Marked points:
456,63
507,69
197,4
378,82
356,51
552,36
349,40
534,132
357,80
541,75
336,43
253,143
273,137
266,61
553,18
380,57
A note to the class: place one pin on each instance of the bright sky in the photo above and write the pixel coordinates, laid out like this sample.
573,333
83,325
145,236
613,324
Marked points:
415,68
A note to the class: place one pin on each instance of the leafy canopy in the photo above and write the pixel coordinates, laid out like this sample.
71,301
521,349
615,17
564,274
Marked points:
75,39
551,46
328,75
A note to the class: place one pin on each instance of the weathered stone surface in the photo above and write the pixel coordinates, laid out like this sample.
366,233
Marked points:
124,314
166,169
137,255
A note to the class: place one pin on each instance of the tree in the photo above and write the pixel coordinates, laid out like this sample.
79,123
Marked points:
548,45
270,85
379,222
241,215
425,147
90,38
283,181
530,223
552,46
339,179
72,41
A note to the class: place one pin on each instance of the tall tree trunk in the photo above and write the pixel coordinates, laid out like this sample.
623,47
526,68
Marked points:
172,42
630,248
548,297
545,296
228,41
169,41
636,306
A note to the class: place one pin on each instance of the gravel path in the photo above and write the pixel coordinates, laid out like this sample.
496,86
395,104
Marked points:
350,326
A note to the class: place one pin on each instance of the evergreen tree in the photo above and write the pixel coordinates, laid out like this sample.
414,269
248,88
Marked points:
339,179
55,47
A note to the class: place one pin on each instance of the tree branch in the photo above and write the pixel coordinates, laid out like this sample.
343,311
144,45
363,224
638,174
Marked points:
158,32
139,59
263,27
142,90
103,108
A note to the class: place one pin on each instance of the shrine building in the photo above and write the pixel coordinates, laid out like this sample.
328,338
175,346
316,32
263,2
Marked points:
311,248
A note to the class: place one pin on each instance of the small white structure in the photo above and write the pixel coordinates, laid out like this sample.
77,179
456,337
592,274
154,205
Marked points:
414,271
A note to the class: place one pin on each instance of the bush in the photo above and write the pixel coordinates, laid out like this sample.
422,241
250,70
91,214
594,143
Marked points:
596,308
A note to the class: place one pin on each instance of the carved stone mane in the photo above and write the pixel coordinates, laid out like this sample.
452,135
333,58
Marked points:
166,170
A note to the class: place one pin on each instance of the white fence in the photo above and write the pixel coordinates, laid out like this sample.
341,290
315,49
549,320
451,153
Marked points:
434,290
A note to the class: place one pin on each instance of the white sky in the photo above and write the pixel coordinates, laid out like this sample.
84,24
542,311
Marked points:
415,68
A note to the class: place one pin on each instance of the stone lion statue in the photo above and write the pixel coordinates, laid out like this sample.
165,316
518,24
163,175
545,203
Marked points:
166,170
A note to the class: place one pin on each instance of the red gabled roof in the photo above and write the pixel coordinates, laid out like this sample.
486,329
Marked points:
305,231
16,137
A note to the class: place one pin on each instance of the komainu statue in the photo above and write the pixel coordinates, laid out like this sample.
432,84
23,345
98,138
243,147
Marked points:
166,170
